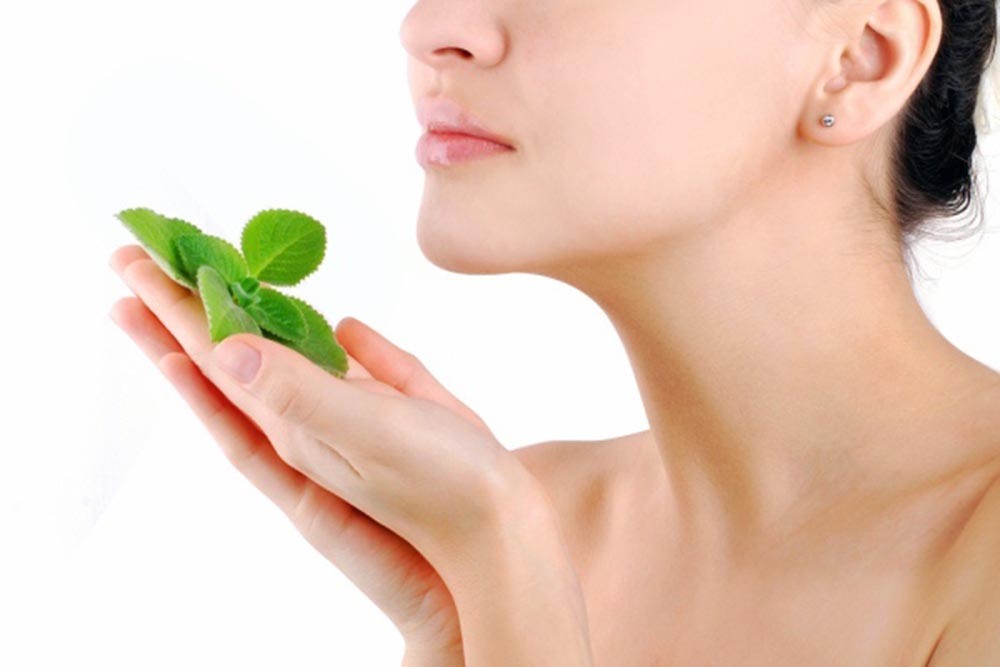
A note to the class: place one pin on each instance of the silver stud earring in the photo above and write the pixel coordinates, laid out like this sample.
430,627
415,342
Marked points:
827,120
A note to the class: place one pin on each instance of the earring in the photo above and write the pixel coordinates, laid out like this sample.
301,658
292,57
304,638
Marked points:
827,120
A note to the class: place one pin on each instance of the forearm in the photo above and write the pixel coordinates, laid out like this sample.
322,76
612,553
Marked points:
517,593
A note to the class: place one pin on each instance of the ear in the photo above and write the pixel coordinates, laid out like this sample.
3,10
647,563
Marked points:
884,50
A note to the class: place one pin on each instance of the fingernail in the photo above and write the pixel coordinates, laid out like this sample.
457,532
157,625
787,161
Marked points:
238,359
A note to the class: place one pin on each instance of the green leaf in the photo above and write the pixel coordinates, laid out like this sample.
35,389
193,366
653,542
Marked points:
320,345
196,250
245,291
250,285
278,314
224,316
158,234
282,247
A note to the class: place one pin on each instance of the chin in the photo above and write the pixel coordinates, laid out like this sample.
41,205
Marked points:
452,245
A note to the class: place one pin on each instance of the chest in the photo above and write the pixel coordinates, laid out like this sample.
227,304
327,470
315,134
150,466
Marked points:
644,611
835,597
652,625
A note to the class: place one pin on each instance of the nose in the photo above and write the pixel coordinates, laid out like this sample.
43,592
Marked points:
447,33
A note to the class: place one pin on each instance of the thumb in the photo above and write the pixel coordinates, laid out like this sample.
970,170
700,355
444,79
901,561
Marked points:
398,368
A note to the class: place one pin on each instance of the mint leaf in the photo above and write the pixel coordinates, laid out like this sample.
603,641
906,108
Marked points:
245,291
278,314
158,234
282,247
250,285
224,316
321,344
196,250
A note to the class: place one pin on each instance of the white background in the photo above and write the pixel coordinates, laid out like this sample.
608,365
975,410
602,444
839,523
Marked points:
128,538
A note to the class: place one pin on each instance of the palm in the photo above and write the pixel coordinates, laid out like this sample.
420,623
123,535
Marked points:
168,322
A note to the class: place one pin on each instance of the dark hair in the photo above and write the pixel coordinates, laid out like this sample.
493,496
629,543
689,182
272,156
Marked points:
933,176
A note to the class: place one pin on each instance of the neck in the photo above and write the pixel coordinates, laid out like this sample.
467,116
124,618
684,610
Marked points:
785,364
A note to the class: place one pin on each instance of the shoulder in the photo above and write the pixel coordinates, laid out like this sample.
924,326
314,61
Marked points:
583,479
971,635
561,463
564,466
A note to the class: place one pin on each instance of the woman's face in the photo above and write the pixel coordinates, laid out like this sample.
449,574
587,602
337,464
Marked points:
634,120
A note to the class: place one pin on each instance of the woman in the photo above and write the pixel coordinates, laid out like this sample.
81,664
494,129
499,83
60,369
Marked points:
736,184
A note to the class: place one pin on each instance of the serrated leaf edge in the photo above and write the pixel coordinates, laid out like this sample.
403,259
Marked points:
217,238
333,334
301,314
289,210
161,261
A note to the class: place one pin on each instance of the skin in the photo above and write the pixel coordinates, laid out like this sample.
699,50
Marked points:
388,475
168,323
819,481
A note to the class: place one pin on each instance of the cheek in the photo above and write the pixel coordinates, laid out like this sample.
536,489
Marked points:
631,133
658,135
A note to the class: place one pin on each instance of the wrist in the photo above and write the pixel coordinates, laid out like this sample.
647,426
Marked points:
520,502
517,574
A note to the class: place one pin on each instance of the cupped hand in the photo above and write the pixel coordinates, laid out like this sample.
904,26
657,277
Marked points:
383,471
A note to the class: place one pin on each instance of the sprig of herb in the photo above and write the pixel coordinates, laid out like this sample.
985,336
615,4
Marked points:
279,247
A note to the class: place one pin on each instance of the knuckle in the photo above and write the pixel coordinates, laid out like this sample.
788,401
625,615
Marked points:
135,265
167,362
414,372
289,449
306,514
145,269
181,305
244,460
287,401
406,422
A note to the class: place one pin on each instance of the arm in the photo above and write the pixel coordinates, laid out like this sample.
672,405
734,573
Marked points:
516,590
392,443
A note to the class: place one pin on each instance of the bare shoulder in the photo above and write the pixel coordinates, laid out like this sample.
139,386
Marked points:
971,635
562,464
582,478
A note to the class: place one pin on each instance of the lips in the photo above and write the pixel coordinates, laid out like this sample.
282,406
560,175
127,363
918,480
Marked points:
447,148
443,115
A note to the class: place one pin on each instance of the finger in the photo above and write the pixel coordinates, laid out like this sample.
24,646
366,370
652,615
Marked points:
132,316
125,255
242,442
371,555
281,389
398,368
179,309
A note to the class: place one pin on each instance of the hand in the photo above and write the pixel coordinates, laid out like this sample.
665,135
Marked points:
288,447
